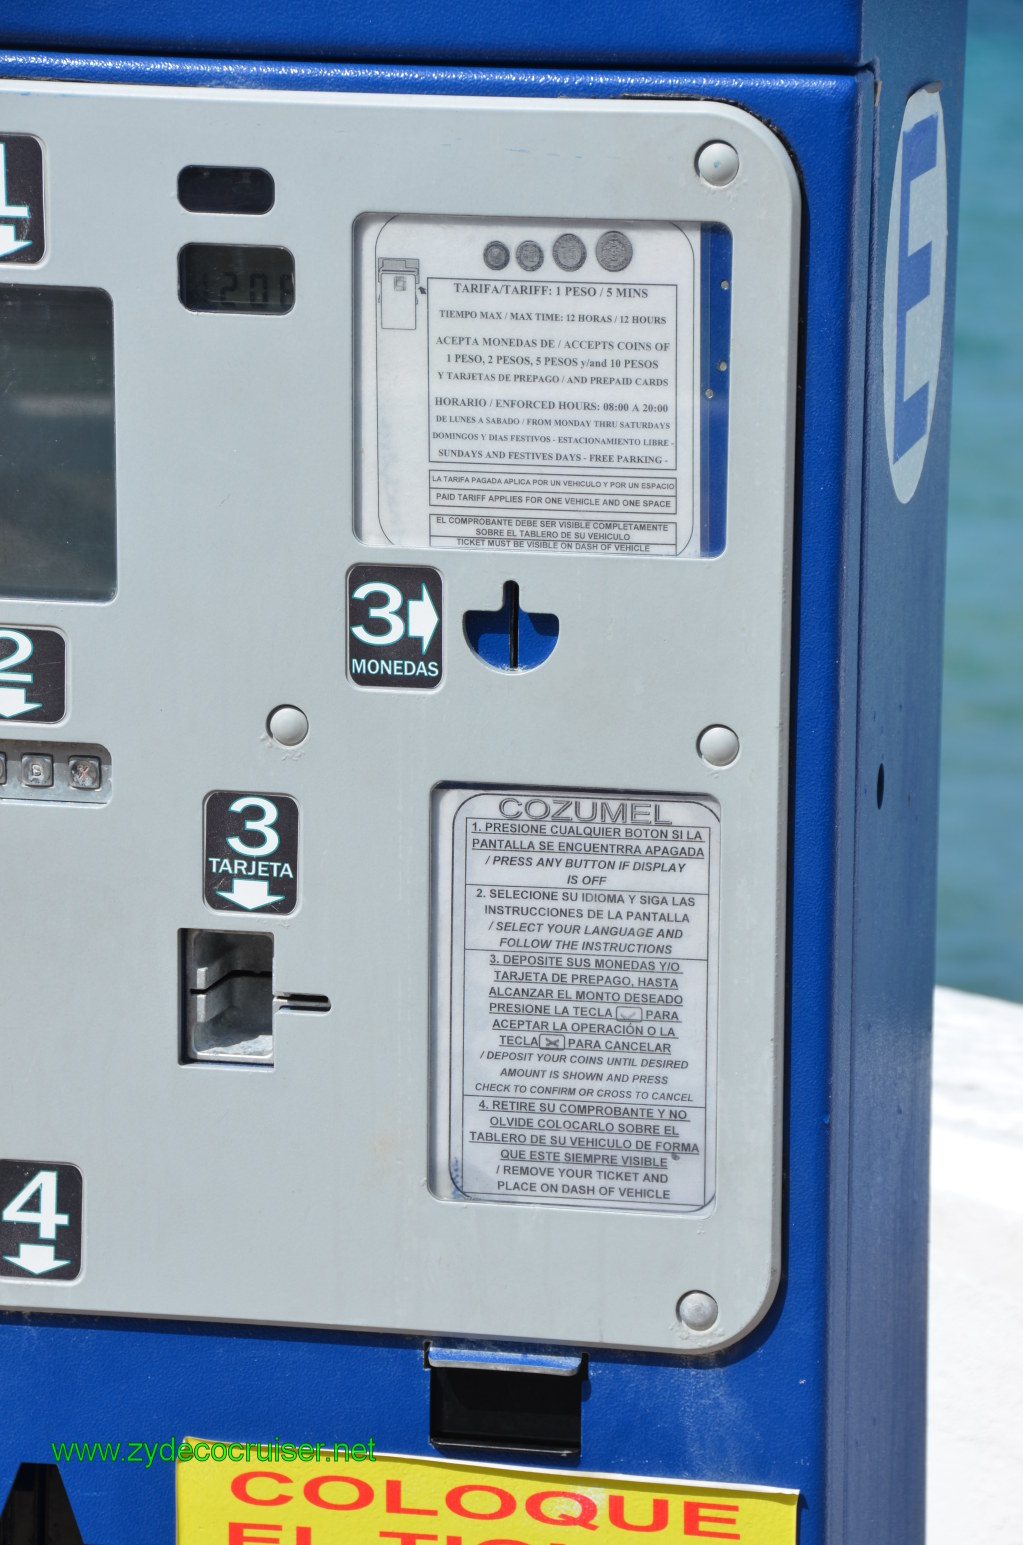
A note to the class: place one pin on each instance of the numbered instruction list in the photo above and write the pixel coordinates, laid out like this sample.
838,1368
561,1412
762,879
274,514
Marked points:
583,942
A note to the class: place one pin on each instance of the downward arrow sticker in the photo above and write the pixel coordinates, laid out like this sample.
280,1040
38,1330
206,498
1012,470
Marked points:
33,672
21,199
40,1220
9,242
14,701
36,1259
250,894
250,853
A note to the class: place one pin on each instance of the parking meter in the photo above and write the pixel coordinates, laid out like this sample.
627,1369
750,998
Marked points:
470,618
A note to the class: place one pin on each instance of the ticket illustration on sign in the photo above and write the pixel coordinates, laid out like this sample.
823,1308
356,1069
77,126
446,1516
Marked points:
529,385
575,1040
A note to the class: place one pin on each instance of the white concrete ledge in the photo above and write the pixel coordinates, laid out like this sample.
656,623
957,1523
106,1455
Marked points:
975,1366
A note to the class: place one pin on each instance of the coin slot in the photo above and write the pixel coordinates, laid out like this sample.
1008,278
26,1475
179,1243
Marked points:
511,638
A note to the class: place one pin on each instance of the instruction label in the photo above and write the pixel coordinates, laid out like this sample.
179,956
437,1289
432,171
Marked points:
583,998
534,385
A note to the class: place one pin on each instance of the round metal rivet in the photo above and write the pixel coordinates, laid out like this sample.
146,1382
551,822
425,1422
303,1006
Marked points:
718,745
288,725
718,164
697,1311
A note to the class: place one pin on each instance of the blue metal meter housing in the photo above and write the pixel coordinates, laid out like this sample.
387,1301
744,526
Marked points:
828,1394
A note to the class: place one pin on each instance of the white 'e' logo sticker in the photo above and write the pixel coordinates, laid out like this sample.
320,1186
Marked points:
914,288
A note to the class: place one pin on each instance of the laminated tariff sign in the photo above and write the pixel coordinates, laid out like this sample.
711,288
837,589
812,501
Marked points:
277,1493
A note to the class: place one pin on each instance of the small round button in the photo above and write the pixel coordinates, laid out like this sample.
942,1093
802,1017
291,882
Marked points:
288,725
718,745
718,163
697,1310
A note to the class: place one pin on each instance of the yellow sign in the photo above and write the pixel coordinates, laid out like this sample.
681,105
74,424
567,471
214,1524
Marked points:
278,1494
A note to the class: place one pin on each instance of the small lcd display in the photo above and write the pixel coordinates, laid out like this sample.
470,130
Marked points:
249,279
58,531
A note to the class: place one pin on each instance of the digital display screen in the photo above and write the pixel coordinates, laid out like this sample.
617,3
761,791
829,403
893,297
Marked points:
244,279
58,527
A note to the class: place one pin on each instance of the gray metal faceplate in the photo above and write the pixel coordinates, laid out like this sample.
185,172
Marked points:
298,1193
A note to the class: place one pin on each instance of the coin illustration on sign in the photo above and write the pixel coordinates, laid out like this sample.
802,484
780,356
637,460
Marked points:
395,633
250,853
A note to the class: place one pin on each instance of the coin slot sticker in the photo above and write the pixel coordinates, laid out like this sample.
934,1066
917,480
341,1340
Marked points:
576,1036
395,627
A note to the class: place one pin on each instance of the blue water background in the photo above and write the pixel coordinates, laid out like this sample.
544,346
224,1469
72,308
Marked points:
980,854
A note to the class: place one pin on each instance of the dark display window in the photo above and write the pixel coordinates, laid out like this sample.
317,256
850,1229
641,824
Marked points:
58,527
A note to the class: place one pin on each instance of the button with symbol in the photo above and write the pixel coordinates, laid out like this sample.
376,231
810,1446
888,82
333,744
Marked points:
37,770
84,772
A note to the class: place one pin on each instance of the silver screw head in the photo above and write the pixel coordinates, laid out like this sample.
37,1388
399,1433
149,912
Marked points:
718,163
697,1311
288,725
718,745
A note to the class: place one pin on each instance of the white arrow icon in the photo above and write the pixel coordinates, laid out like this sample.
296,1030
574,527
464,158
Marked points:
36,1258
8,241
14,701
422,619
250,894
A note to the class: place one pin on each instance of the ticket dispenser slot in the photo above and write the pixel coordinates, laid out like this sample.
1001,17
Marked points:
483,1399
479,356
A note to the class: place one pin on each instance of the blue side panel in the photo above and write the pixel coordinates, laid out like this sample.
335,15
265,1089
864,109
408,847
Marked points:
899,698
664,33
